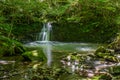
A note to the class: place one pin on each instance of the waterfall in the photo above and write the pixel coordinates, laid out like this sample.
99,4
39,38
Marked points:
44,37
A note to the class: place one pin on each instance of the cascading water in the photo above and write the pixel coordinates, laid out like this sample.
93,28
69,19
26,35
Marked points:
44,36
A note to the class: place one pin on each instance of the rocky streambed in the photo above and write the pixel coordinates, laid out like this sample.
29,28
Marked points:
68,63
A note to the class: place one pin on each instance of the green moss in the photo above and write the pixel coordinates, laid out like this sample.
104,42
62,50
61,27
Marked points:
106,54
116,43
34,55
105,77
101,49
115,70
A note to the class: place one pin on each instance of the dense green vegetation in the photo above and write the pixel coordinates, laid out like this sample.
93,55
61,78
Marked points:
96,21
72,20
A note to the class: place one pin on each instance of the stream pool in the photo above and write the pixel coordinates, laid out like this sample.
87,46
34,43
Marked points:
61,46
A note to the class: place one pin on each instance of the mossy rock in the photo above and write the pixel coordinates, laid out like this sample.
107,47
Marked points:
105,77
34,55
115,70
54,73
101,49
107,56
104,50
102,55
116,43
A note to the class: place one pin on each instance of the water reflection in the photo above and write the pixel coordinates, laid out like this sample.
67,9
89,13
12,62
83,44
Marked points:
48,52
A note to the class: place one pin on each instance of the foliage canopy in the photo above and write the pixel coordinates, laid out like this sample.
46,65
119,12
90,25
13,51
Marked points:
99,17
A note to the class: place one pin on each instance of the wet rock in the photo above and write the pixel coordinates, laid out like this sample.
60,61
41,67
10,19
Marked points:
6,62
90,73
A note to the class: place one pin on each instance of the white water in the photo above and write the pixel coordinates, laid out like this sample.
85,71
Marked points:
44,37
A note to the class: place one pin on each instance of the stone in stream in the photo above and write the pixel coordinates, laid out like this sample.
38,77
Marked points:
6,62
